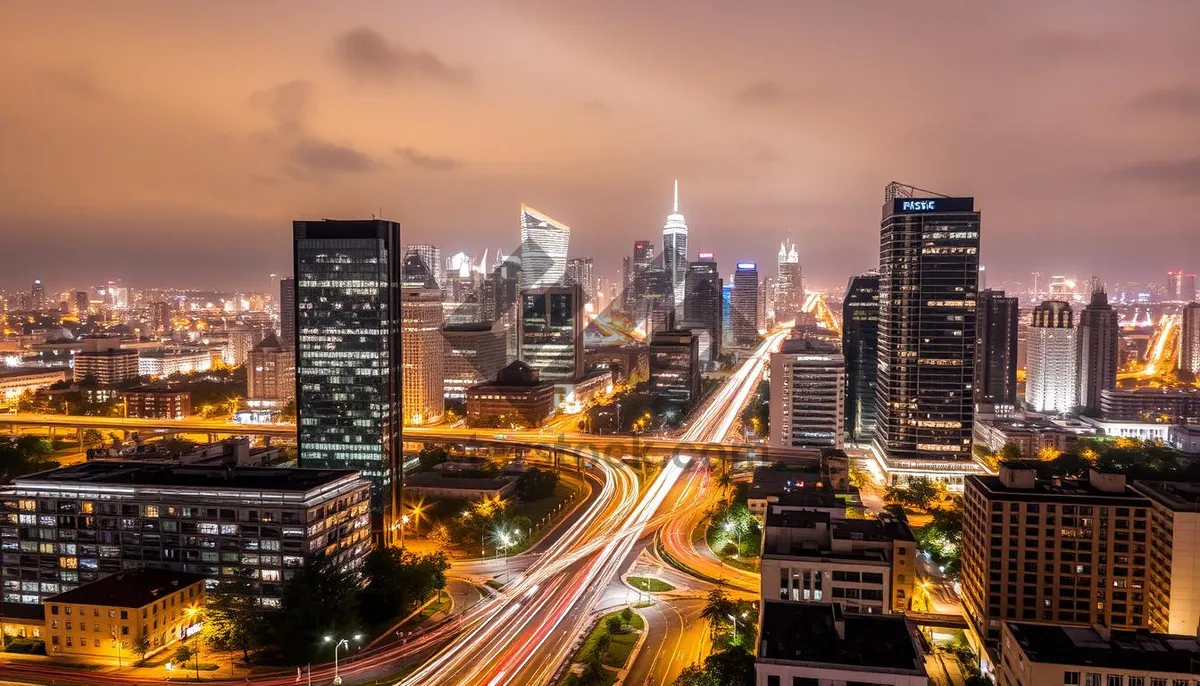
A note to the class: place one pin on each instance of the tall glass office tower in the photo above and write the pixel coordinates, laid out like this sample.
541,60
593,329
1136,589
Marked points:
928,277
543,250
675,253
860,347
347,276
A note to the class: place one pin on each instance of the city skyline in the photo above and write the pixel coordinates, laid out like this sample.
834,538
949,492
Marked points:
283,123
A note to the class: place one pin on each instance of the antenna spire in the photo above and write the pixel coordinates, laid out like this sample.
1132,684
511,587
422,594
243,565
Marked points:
676,210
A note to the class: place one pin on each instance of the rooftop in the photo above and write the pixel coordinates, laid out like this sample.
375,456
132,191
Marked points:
808,345
1100,647
820,633
1178,496
193,476
1097,489
132,589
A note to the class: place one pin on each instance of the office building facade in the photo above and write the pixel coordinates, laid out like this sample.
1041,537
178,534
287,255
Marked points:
996,353
807,408
422,399
209,520
1050,382
675,367
544,243
743,304
1189,339
551,332
287,313
702,301
348,362
1097,358
928,270
579,272
105,361
860,347
473,354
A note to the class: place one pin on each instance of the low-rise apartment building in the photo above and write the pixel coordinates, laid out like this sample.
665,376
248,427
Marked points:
108,618
67,527
811,555
1061,550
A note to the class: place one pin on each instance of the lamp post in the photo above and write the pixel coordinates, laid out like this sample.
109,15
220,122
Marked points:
191,613
337,680
505,541
403,524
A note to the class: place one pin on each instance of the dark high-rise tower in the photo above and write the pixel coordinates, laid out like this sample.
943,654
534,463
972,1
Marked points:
347,316
702,301
996,353
860,347
928,273
744,304
1097,359
551,331
287,313
643,259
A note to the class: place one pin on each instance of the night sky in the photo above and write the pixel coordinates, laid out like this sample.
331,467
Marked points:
172,143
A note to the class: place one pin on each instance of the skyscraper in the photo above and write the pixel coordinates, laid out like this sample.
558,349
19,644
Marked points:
287,313
789,285
1188,286
643,259
996,353
543,250
808,379
579,271
726,313
432,255
702,301
551,331
422,400
654,300
347,316
38,295
1189,339
675,251
1050,371
1097,360
744,306
860,347
1175,285
626,285
928,271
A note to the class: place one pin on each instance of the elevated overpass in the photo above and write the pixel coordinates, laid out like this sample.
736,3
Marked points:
212,427
638,447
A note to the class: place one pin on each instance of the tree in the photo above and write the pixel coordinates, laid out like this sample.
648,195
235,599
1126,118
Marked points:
918,492
537,484
141,647
397,580
233,620
603,643
614,624
318,600
695,675
91,438
733,667
627,617
1010,451
718,608
432,455
183,653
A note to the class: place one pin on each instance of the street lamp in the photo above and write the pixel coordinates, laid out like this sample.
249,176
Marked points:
505,541
337,680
